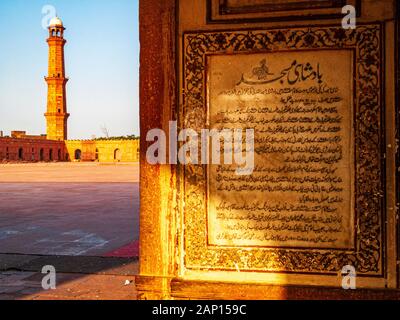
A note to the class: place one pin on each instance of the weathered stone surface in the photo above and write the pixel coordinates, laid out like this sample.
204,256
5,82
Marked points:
157,107
180,257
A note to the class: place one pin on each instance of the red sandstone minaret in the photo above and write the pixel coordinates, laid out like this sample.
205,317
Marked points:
56,115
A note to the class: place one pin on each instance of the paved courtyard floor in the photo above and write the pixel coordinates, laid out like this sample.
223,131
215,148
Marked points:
72,209
77,278
27,286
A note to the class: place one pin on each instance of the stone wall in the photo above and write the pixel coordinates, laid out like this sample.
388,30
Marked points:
180,39
31,150
103,150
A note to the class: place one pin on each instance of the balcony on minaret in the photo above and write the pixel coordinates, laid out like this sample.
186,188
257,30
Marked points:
56,77
56,28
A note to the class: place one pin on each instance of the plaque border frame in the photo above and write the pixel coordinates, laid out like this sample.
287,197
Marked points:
368,259
218,12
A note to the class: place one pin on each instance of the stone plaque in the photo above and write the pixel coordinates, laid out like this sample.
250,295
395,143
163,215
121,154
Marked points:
300,105
322,199
313,203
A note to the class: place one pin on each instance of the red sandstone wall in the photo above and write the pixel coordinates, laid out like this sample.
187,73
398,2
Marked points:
50,150
32,150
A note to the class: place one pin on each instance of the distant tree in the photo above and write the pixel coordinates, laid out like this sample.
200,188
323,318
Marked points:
105,131
128,137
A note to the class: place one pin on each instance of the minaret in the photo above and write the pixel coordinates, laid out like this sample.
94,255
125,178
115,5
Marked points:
56,115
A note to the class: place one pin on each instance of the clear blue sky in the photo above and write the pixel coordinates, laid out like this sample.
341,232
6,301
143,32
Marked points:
102,62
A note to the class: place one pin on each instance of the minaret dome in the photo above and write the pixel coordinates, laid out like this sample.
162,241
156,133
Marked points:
56,22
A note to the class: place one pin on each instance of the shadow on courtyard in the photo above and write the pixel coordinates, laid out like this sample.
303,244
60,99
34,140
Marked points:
81,218
78,277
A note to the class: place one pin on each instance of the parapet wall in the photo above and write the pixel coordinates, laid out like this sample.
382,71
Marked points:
103,150
31,150
34,150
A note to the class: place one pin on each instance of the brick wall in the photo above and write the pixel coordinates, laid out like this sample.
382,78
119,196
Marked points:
32,150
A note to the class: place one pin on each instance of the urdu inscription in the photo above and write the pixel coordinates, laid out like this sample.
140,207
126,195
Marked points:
300,105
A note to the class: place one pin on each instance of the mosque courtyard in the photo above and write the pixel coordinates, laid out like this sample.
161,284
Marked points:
71,209
81,218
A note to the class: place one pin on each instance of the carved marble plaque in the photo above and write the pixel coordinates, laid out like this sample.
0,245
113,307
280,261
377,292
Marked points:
300,193
314,201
